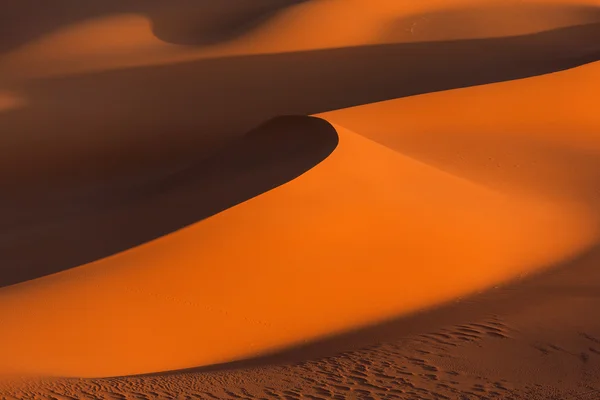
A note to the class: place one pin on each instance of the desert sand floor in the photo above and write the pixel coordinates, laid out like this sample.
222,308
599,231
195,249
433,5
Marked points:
300,199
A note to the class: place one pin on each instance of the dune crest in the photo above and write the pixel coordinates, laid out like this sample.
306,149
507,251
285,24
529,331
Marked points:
492,134
201,105
478,21
193,184
129,33
154,34
270,155
307,236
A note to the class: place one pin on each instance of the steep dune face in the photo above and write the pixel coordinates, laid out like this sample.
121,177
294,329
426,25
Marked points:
178,21
75,37
190,23
189,109
455,21
493,135
262,275
38,236
196,243
151,33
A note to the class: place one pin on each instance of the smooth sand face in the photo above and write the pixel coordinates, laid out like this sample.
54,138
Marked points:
157,34
283,292
425,199
493,137
307,280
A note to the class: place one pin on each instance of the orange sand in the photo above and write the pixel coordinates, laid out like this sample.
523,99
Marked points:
425,199
123,40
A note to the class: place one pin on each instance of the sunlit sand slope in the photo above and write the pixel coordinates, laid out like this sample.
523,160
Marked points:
72,125
127,34
539,136
361,214
291,265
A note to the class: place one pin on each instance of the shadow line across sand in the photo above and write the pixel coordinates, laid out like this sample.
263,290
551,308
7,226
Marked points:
113,122
535,290
98,126
189,22
274,153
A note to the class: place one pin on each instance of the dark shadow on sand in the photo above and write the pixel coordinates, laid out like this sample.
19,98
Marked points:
113,122
188,22
533,291
272,154
99,127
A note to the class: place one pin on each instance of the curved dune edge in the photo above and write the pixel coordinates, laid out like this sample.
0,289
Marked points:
47,144
128,39
291,265
537,137
37,235
407,213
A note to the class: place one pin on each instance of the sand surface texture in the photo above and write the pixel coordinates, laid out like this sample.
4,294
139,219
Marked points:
300,199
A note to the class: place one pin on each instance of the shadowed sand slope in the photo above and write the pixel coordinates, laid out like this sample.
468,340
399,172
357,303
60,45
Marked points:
185,109
81,37
492,136
216,22
489,19
40,240
268,268
180,21
112,133
532,340
170,227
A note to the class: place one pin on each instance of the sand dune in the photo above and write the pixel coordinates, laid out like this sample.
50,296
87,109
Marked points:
76,37
172,203
319,248
489,19
272,154
190,108
179,21
500,344
129,34
491,134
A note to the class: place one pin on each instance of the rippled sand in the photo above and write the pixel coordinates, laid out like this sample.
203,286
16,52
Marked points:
276,198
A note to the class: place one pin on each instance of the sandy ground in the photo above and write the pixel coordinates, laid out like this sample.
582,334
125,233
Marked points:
300,199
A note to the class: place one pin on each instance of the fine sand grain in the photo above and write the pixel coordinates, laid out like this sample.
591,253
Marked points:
300,199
